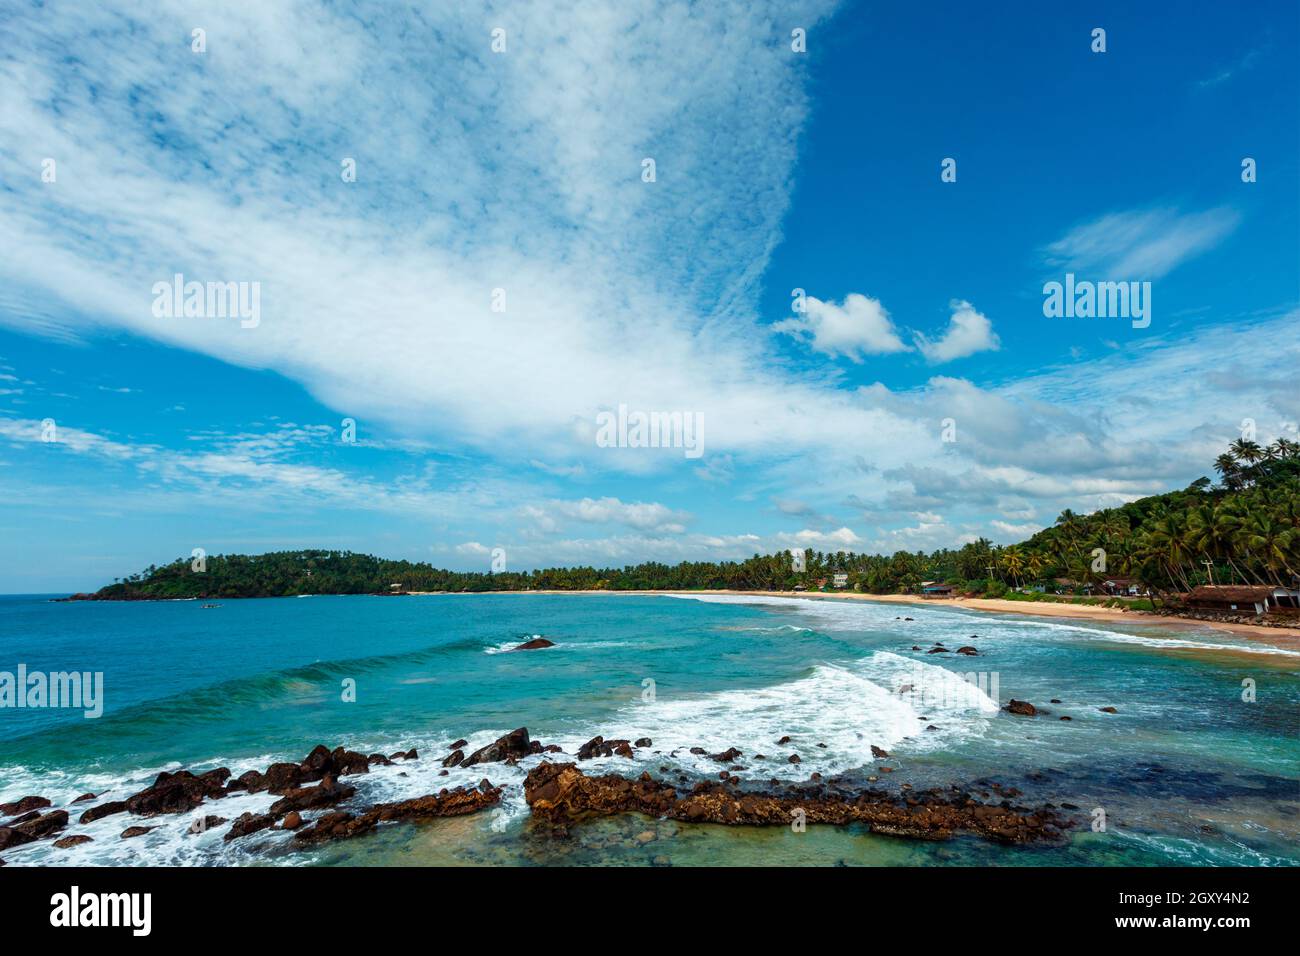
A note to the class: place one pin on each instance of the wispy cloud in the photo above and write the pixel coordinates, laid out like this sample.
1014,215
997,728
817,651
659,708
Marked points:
1146,244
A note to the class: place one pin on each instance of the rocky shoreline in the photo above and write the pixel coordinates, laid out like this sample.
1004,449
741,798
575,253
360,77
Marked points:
558,794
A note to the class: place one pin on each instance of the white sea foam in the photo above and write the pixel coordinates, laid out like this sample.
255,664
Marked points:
859,615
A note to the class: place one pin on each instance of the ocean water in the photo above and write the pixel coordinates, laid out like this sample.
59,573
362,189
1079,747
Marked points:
1186,771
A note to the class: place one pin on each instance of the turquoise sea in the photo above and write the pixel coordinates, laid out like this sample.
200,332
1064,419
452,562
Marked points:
1187,771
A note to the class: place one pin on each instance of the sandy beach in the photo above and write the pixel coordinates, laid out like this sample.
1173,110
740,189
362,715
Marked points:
1283,637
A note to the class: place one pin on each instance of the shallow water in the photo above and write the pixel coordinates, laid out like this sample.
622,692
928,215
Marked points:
1186,772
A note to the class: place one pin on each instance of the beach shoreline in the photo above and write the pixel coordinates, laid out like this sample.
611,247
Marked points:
1281,637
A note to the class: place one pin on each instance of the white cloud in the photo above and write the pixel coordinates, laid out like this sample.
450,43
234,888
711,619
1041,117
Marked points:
968,332
644,516
1140,244
859,327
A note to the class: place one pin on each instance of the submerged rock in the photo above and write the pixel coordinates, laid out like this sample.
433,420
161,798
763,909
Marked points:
536,644
561,794
447,803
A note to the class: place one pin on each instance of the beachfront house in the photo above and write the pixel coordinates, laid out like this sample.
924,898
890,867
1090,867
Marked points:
932,589
840,580
1244,598
1121,587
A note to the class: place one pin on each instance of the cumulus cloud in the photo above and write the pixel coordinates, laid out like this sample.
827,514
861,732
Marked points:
858,327
968,332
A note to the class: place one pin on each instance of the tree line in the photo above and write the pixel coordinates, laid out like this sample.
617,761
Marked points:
1243,530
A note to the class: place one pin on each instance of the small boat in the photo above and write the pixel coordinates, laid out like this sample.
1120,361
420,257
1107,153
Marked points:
211,605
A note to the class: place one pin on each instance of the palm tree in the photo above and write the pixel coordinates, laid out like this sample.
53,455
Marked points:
1248,451
1014,561
1229,471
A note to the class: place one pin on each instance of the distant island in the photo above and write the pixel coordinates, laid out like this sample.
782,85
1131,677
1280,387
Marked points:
1151,553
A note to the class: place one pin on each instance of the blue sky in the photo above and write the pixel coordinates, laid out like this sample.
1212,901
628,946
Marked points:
522,171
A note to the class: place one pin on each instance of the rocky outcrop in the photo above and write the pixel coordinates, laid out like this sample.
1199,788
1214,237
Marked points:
68,842
325,794
1021,708
562,794
34,829
249,823
178,792
512,746
446,803
968,651
25,805
280,778
103,810
130,832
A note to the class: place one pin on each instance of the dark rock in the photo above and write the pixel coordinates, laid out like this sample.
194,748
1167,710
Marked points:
25,805
1021,707
1055,700
458,744
130,832
793,758
454,758
727,756
33,830
1067,718
937,650
103,810
84,797
249,823
326,793
1108,710
643,742
344,763
561,794
412,754
68,842
877,752
446,803
178,792
379,759
537,643
513,744
783,740
292,820
968,651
